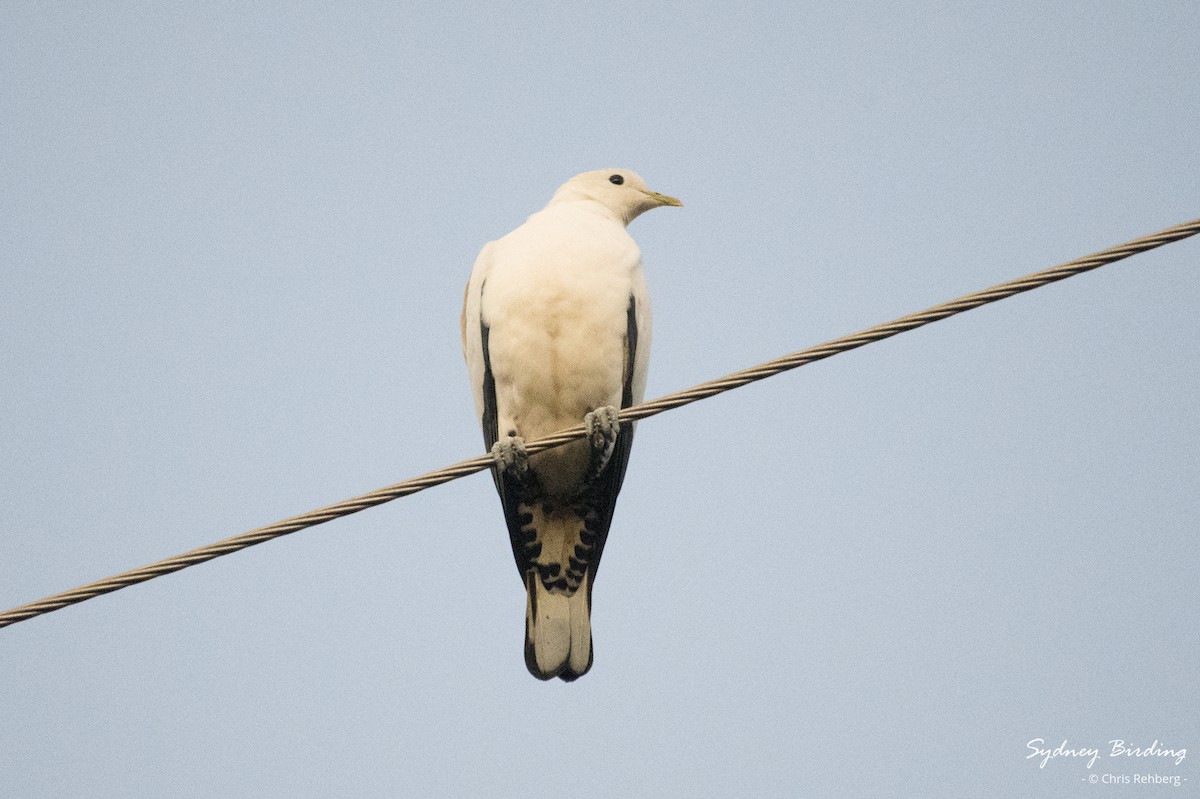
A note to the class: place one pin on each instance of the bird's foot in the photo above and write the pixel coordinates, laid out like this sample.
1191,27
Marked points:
510,456
602,427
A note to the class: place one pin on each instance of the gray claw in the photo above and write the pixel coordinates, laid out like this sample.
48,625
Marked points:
510,455
602,427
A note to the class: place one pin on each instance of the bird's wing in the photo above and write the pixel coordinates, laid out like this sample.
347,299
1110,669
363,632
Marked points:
470,325
483,386
600,497
513,494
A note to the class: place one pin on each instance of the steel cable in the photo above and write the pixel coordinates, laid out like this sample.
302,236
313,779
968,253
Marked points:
642,411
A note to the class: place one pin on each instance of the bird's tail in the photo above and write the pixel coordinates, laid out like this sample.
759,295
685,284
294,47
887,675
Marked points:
558,630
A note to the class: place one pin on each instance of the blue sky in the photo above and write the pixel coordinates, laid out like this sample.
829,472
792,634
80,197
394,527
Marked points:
235,241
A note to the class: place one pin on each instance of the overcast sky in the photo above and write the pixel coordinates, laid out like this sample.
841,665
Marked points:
234,244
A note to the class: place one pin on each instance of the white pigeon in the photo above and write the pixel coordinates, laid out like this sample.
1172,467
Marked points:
556,331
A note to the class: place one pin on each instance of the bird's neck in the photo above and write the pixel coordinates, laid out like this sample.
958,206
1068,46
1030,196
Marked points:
569,195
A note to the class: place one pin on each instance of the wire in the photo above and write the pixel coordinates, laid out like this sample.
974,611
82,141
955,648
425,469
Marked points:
642,411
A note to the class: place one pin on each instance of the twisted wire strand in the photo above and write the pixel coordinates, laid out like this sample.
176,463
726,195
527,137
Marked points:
644,410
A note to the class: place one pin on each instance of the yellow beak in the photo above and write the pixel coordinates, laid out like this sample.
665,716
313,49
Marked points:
663,199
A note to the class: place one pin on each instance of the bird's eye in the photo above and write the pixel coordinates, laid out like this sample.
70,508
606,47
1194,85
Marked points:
616,180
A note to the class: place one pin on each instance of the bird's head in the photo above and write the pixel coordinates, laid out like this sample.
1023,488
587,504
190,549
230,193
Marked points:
622,191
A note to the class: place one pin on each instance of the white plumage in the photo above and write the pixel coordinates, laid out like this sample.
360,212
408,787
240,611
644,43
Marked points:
556,330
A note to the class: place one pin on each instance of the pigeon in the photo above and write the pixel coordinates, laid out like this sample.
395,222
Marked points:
556,332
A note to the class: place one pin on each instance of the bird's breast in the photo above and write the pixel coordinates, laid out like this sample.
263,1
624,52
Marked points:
557,319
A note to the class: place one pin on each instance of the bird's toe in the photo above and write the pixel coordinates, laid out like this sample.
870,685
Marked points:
510,455
603,425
